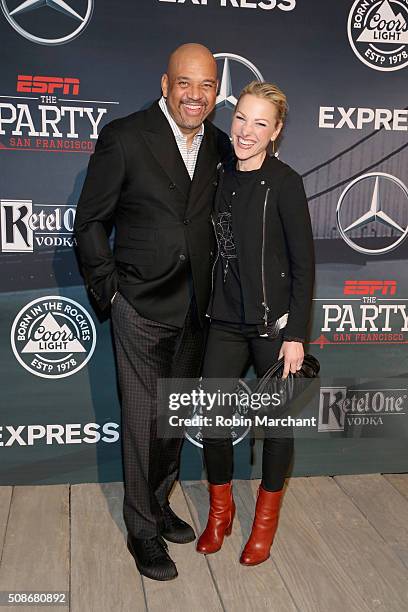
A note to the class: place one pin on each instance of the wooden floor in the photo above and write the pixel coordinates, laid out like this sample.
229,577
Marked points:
342,544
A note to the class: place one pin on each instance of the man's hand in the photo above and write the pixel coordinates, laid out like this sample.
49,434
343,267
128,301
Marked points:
293,354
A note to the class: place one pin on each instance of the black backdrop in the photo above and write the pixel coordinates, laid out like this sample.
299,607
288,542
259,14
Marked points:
64,75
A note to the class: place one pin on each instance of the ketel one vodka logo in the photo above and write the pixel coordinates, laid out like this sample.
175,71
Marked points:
378,33
341,408
53,337
26,227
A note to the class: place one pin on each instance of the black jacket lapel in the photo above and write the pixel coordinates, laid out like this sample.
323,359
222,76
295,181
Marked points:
161,142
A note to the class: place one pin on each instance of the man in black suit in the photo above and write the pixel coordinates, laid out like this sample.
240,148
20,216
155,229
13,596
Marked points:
153,176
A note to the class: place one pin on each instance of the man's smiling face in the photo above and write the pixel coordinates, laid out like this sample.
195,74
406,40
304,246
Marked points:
190,86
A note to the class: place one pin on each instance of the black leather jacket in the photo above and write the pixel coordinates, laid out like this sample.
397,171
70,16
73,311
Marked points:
274,241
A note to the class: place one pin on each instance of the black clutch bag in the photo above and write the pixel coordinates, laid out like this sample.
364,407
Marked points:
289,388
310,369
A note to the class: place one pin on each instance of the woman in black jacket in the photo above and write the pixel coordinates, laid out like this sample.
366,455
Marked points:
261,300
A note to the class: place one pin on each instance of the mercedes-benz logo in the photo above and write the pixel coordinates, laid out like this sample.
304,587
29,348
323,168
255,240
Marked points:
374,215
226,97
13,16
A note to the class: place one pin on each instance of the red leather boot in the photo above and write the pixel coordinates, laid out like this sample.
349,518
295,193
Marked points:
220,518
258,547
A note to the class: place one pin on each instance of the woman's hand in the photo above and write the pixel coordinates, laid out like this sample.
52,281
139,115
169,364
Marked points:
293,354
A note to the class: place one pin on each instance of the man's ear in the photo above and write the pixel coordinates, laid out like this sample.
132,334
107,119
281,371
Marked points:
165,85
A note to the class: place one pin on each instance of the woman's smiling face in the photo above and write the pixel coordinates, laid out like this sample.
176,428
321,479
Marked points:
254,125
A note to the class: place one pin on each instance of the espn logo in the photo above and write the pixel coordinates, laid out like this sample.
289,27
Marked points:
370,287
47,85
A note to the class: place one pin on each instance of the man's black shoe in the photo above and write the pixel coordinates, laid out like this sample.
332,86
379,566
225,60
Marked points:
174,529
151,557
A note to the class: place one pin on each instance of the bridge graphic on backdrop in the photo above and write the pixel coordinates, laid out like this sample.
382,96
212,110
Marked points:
380,150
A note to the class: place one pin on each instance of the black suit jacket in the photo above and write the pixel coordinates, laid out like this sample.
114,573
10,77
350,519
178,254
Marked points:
138,182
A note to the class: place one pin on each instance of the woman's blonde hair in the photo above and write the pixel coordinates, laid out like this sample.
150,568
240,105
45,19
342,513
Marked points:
270,92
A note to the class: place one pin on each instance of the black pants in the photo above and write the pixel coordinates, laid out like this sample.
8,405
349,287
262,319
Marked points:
229,351
145,351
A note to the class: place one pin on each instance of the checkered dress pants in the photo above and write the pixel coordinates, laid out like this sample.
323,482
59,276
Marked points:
145,351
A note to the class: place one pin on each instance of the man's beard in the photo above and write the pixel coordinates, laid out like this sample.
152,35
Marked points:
192,123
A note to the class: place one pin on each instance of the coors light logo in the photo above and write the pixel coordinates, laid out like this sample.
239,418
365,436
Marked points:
53,337
378,33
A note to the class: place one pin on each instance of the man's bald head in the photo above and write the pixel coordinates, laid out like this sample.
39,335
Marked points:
191,52
190,86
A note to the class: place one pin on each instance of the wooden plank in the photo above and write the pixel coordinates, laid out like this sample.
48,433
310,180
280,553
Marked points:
370,564
5,500
103,575
240,588
194,588
36,545
314,577
383,506
399,482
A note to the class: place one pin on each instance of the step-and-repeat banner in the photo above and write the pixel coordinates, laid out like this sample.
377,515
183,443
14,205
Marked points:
69,67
